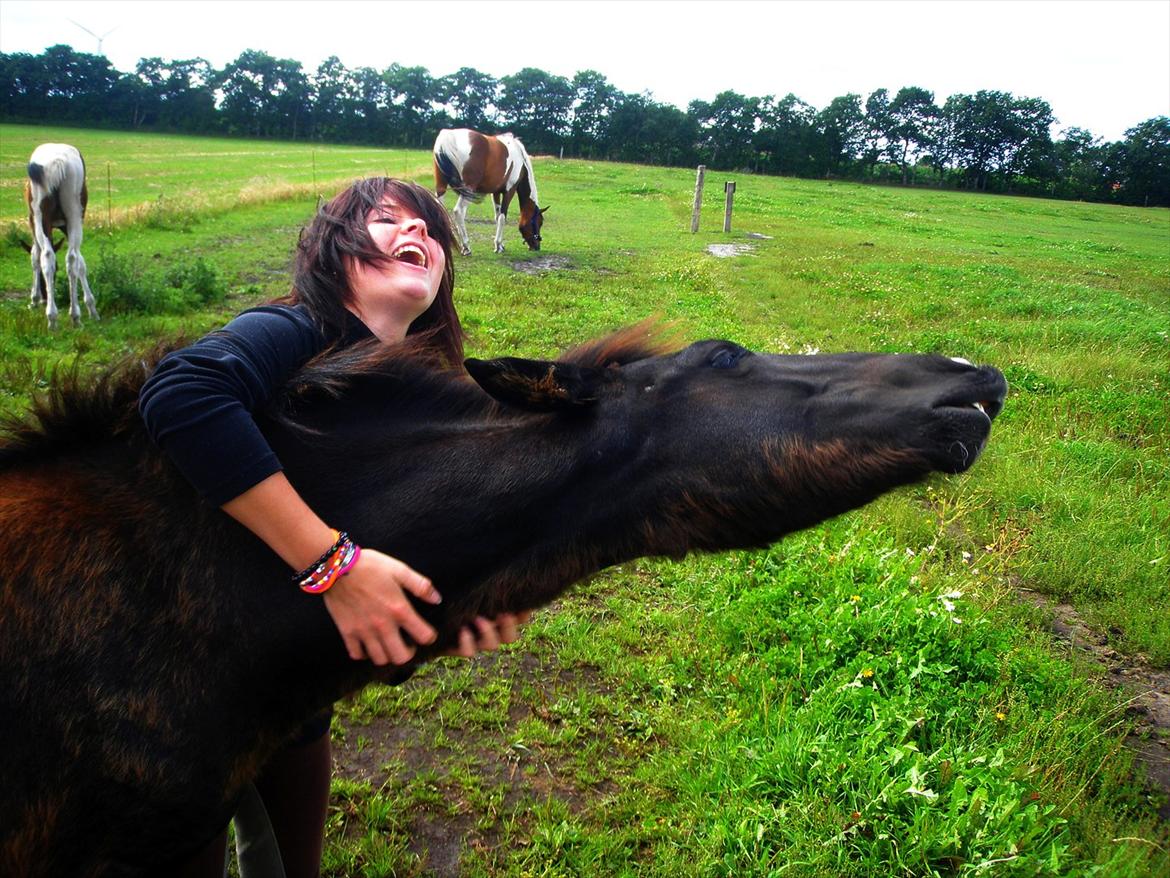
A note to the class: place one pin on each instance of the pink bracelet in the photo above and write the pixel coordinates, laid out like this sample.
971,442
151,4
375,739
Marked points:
335,563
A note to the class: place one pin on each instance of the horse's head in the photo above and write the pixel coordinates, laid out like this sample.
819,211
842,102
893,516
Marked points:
531,220
745,447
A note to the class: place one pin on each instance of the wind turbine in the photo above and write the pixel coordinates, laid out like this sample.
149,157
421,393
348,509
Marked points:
95,36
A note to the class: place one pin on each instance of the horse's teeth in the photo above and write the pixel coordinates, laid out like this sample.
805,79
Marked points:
979,406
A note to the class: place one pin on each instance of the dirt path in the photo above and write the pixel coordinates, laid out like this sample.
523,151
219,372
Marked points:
1149,689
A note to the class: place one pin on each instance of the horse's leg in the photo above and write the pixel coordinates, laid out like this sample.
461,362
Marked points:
36,297
501,218
75,265
47,264
460,214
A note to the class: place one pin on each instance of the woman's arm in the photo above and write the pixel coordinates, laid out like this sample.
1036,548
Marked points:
368,604
203,397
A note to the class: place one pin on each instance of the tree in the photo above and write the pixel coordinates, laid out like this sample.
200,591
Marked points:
992,132
471,96
878,122
411,93
246,85
371,120
1147,163
1077,166
537,107
727,128
334,94
642,130
595,98
786,140
911,117
842,130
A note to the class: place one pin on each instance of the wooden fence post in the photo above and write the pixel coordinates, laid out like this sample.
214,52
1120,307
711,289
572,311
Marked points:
729,197
698,199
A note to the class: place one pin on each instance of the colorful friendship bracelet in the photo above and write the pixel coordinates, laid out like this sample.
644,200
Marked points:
337,561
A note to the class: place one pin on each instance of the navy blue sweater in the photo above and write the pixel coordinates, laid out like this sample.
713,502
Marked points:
198,402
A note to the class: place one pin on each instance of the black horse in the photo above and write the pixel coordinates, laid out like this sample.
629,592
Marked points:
153,653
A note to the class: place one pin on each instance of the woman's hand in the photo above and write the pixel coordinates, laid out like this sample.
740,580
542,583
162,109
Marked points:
370,609
489,633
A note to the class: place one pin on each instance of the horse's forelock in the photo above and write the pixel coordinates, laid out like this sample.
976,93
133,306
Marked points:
628,345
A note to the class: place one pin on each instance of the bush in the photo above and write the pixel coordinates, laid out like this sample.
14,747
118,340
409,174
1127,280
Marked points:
120,282
124,285
199,283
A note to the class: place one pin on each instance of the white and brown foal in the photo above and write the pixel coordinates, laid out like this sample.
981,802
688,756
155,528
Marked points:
56,197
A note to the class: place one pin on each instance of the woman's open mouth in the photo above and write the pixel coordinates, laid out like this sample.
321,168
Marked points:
411,254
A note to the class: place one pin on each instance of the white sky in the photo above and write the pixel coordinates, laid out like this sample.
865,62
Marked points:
1103,65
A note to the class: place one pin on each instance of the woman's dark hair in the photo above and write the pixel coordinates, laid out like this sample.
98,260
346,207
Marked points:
338,234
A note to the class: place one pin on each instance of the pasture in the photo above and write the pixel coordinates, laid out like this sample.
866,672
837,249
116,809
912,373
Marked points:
868,698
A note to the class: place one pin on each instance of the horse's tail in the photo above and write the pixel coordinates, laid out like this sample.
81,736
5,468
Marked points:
451,174
48,175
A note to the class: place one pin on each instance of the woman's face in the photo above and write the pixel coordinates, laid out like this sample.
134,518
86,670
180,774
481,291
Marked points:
393,295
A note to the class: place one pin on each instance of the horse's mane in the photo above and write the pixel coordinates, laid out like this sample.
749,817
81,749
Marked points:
80,408
421,371
527,167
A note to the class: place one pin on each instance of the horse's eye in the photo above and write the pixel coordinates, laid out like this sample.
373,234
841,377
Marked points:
725,358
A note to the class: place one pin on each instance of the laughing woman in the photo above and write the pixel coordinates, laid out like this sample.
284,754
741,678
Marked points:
374,263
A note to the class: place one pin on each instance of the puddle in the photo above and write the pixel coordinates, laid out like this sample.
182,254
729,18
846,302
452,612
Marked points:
723,251
541,264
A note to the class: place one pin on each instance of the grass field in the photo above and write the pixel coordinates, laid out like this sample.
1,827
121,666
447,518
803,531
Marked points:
868,698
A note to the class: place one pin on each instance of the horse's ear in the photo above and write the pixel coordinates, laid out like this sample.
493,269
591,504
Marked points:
537,385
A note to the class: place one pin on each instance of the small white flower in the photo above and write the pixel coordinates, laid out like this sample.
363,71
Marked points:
924,793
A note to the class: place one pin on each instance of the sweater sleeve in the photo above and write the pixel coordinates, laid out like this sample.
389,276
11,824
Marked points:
198,403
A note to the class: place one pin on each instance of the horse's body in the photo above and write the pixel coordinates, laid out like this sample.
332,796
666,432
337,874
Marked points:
153,653
475,165
56,197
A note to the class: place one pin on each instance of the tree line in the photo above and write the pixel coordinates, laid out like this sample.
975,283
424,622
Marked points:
989,141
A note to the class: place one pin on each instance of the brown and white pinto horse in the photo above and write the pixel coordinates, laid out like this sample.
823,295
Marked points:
475,165
153,654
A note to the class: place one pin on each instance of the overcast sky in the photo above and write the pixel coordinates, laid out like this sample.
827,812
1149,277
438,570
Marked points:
1103,65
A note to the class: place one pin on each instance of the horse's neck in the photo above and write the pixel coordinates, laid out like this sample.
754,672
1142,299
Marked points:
524,192
527,186
520,172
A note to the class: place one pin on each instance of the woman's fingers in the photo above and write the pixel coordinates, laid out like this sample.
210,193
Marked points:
412,623
354,647
508,627
395,648
417,584
466,647
489,637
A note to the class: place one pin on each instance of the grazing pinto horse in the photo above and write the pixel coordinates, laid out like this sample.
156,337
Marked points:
153,654
56,197
475,165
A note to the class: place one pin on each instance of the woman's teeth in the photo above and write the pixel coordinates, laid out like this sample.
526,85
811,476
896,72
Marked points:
412,254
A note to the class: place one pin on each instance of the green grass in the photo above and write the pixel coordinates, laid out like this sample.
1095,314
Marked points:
810,710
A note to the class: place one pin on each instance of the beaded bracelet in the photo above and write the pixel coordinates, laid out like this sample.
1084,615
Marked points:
337,561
